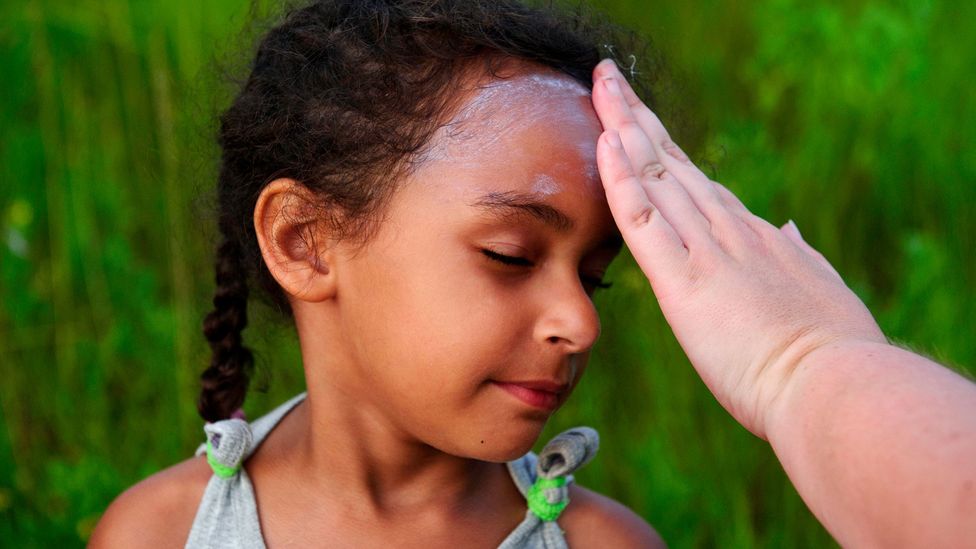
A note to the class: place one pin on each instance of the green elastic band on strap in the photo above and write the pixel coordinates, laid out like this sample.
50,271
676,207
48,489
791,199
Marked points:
538,503
219,468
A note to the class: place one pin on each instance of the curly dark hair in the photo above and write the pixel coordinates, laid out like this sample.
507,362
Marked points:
343,96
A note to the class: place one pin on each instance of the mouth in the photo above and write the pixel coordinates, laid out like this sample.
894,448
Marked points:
541,394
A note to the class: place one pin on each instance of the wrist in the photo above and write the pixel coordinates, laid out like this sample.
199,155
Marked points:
818,377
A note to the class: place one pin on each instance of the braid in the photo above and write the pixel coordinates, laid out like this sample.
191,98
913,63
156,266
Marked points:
225,381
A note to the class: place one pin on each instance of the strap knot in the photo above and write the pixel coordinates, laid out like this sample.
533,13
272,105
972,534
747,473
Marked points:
569,451
549,494
228,442
547,498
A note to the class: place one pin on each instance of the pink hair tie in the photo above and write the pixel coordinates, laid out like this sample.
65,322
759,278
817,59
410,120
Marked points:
238,414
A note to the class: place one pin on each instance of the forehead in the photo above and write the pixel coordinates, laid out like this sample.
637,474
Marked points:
495,103
534,127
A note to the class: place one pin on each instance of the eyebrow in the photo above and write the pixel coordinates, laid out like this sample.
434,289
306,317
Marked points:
515,204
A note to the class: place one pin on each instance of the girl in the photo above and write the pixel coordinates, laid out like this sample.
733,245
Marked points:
416,183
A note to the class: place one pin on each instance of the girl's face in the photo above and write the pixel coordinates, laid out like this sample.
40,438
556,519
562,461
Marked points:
467,320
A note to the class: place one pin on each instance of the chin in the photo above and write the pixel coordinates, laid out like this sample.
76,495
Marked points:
504,443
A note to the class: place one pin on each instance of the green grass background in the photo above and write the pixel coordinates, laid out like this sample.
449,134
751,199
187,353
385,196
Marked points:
855,119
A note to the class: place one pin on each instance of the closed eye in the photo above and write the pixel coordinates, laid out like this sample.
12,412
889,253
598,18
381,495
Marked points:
507,259
591,283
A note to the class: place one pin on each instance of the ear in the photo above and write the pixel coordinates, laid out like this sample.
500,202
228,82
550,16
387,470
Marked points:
291,238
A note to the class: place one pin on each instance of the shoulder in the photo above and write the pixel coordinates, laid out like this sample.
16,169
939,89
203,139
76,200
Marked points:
156,512
593,520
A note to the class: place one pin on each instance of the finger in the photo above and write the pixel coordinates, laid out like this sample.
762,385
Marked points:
614,113
698,185
757,224
732,201
652,241
652,126
723,214
663,188
793,233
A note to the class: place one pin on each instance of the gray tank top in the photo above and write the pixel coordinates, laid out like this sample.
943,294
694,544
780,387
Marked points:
228,515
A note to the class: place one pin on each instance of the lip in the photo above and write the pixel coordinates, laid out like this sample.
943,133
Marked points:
541,394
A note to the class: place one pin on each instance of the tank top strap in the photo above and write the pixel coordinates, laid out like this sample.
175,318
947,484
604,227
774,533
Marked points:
227,517
262,426
544,480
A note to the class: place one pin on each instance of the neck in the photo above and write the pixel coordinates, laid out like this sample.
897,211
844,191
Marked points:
368,455
341,444
348,448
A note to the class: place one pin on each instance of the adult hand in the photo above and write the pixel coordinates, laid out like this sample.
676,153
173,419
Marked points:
746,300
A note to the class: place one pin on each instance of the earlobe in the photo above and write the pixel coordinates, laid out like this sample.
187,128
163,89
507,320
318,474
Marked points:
293,242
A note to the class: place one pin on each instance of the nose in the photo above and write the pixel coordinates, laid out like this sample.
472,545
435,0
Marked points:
568,318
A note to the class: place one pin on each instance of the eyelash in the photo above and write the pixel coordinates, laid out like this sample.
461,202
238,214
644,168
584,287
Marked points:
522,262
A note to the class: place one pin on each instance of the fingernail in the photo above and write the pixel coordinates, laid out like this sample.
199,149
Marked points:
674,151
612,86
613,139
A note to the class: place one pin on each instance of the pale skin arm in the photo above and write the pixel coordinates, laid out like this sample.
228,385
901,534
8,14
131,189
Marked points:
879,442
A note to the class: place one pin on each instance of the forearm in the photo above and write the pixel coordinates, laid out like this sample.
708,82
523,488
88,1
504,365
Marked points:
881,445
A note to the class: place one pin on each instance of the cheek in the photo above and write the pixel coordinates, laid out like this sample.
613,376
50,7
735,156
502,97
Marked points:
423,319
464,323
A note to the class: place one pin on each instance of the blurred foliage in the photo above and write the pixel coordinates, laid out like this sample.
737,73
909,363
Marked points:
855,119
